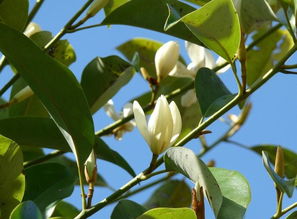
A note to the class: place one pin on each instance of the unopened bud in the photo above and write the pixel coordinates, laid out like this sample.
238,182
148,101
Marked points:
23,94
31,29
166,58
279,165
96,6
91,168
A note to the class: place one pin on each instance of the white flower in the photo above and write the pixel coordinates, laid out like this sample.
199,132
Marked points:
31,29
91,168
200,57
166,58
164,125
96,6
127,110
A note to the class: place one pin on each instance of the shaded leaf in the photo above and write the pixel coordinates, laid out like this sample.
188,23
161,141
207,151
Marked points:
14,13
173,193
216,25
47,183
290,158
169,213
41,73
292,215
12,181
64,209
185,161
151,14
127,209
286,186
112,5
236,193
26,210
102,78
211,92
63,52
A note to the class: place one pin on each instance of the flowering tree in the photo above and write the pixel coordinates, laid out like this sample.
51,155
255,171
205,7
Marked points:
50,108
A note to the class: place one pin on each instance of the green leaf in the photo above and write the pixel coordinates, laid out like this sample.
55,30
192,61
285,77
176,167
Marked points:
290,158
63,52
151,14
41,38
262,58
216,25
127,209
113,4
185,161
65,209
12,181
102,78
292,215
48,79
253,13
26,210
286,186
105,153
236,193
31,153
4,113
173,193
14,13
42,132
169,213
198,2
47,183
211,92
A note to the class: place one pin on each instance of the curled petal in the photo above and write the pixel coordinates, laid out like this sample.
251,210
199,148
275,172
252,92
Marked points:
195,52
140,120
110,111
127,110
221,61
177,122
209,61
181,71
189,98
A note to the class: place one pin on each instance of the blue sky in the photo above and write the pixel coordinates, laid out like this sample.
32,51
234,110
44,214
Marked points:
273,118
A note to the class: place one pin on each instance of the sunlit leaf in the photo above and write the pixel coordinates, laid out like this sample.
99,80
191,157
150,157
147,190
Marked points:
127,209
26,210
169,213
185,161
112,5
65,210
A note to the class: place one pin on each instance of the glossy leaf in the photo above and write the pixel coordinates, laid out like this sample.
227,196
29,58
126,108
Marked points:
290,158
262,58
12,181
47,183
63,52
198,2
102,78
14,13
253,13
127,209
216,25
4,113
173,193
236,193
48,80
185,161
169,213
211,92
112,5
292,215
151,14
26,210
65,210
286,186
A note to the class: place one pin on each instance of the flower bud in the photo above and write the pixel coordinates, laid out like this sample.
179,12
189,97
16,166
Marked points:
166,58
23,94
96,6
91,168
31,29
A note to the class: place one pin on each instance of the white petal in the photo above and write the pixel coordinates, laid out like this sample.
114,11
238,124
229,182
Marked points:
195,52
32,29
209,61
141,121
221,61
127,110
110,111
189,98
180,70
194,67
177,122
166,58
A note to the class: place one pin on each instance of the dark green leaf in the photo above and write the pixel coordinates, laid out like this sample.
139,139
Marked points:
173,194
26,210
113,4
292,215
4,113
236,193
47,183
216,25
31,153
151,14
286,186
169,213
127,209
102,78
211,92
48,79
14,13
65,210
105,153
12,181
290,158
63,52
185,161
